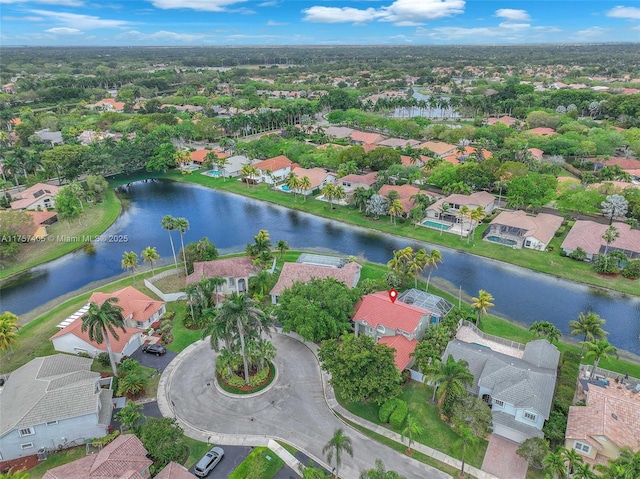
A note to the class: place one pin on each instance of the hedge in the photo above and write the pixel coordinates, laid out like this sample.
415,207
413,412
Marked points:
399,415
386,409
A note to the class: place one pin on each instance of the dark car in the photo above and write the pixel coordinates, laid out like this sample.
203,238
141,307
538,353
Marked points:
154,349
209,461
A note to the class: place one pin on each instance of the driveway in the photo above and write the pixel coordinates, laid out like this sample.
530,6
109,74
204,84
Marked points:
152,361
294,408
233,456
149,409
502,461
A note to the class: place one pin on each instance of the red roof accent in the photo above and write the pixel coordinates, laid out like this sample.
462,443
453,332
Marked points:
241,267
403,349
273,164
293,272
117,345
542,131
134,303
377,309
624,163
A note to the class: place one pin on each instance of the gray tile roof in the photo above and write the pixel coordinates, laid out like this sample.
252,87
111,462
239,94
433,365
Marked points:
541,354
50,388
509,421
512,380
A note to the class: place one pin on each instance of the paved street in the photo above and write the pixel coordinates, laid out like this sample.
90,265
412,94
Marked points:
293,409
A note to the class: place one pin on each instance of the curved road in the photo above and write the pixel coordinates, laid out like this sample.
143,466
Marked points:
294,408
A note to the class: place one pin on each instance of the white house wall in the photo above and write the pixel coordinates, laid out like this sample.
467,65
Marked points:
42,203
71,344
535,244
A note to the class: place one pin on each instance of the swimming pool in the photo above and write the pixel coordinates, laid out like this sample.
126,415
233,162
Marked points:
285,188
504,241
192,167
212,173
437,225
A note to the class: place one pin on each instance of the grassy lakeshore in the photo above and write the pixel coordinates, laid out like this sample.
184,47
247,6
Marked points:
545,262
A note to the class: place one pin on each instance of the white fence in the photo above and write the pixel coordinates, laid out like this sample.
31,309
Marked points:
167,297
491,337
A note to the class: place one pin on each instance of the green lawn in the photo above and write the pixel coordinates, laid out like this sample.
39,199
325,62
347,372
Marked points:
197,449
57,459
546,262
262,462
437,434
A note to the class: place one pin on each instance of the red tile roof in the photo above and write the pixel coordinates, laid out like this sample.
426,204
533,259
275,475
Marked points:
505,120
438,147
368,179
367,138
27,197
405,192
174,471
588,236
403,349
273,164
316,175
624,163
134,303
377,309
241,267
293,272
367,147
542,131
124,458
199,155
117,345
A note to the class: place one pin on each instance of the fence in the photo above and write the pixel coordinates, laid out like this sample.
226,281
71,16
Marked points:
167,297
608,374
491,337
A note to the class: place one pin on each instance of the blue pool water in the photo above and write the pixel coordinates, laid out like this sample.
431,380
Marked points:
496,239
193,167
437,225
285,188
212,173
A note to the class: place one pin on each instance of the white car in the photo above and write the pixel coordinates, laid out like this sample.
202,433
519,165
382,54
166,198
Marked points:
209,461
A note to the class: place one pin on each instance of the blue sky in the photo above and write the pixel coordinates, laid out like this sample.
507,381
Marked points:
316,22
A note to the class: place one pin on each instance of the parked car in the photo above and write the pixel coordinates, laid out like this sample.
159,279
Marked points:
154,349
209,461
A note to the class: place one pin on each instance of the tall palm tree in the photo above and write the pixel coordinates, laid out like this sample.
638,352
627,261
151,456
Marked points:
8,326
182,225
599,349
583,471
464,213
571,459
304,185
102,321
481,304
432,263
467,438
590,325
328,191
151,255
449,376
339,193
168,223
411,429
283,247
293,183
609,236
476,215
338,444
130,261
417,264
379,472
395,209
555,463
244,318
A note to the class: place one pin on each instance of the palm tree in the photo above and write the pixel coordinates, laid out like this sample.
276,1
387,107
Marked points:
293,183
182,225
555,463
130,261
609,236
248,172
102,321
476,216
339,193
464,212
304,185
395,209
129,416
590,325
380,472
338,444
283,247
571,459
481,304
168,223
545,329
450,376
328,191
360,197
583,471
151,255
466,438
8,324
417,264
432,263
599,349
239,311
411,429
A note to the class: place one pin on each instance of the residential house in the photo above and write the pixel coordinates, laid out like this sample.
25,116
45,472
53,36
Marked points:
628,165
108,104
411,161
518,390
364,138
536,153
174,470
588,235
37,197
448,209
438,148
235,272
338,132
318,177
521,230
273,170
468,152
542,131
505,120
198,157
351,182
233,166
50,402
51,137
123,458
139,310
403,350
38,228
310,266
405,193
608,422
398,143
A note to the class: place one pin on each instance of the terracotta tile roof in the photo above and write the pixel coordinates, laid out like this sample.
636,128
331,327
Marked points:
536,152
505,120
403,346
273,164
588,236
338,131
624,163
438,147
174,471
367,138
368,179
405,192
541,227
377,309
124,458
292,272
199,155
479,198
117,345
240,267
134,303
315,175
542,131
616,417
25,198
367,147
116,105
408,161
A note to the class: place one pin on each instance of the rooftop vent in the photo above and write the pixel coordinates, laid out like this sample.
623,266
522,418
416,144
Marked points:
614,416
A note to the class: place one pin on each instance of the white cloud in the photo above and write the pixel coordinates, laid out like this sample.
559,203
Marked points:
631,13
400,12
513,15
591,32
88,22
514,26
62,3
273,23
201,5
269,3
64,31
22,19
161,35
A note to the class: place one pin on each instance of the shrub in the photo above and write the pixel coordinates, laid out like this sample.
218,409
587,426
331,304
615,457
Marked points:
560,231
578,254
103,359
108,438
259,377
168,316
399,415
632,270
386,409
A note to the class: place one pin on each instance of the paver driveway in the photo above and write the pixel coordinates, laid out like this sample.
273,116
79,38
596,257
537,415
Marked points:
293,409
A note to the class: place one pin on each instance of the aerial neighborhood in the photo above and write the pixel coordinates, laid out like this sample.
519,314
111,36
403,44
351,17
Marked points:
280,262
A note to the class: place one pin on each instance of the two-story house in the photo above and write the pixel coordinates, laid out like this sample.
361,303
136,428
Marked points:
50,402
139,310
37,197
273,170
518,390
234,271
447,210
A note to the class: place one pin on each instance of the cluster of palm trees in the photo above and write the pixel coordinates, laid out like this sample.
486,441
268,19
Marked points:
266,119
407,263
333,192
566,463
445,106
237,332
130,259
181,225
21,163
474,216
297,184
594,344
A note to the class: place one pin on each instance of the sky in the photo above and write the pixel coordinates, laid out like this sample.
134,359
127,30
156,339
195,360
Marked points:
315,22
